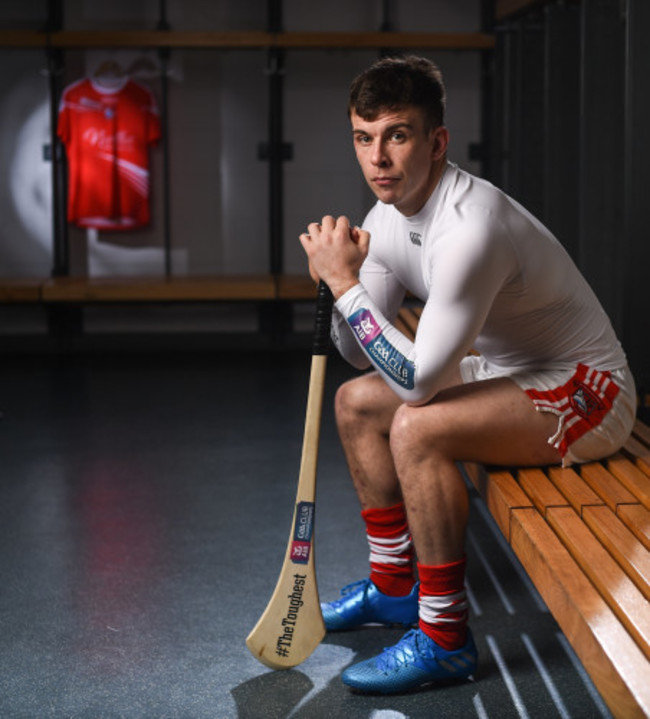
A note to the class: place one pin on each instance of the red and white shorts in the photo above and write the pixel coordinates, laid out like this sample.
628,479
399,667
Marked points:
596,409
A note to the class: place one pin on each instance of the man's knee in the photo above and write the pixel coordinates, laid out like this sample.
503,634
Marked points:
401,430
410,437
351,401
365,400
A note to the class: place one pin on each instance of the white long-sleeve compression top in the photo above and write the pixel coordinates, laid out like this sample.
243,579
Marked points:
491,277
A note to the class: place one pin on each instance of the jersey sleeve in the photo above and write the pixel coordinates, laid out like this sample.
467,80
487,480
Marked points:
385,290
465,277
387,293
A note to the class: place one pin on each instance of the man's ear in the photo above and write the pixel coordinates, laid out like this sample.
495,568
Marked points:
440,142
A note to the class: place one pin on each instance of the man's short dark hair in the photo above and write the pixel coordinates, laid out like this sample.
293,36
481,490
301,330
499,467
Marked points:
395,83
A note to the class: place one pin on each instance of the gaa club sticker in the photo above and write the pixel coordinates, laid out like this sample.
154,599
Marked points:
302,533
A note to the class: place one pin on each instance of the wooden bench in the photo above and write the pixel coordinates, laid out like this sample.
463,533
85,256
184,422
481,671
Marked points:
583,536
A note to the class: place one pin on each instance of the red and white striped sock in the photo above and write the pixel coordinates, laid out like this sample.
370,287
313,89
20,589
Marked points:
391,550
443,605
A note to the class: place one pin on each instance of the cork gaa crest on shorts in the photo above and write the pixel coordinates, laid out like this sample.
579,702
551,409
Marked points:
582,404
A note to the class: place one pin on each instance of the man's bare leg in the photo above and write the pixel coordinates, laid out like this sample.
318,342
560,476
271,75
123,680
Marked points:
365,407
492,422
395,451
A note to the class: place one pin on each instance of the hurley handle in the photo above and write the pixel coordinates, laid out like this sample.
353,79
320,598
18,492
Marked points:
323,321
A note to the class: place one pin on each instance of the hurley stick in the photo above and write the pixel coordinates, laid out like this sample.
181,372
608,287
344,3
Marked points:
291,626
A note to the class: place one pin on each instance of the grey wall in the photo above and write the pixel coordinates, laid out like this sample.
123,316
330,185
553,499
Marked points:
218,106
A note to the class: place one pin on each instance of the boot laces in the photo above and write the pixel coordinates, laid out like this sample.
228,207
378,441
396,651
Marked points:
404,652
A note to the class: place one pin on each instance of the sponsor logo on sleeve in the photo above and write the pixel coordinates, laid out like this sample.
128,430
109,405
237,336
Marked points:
385,356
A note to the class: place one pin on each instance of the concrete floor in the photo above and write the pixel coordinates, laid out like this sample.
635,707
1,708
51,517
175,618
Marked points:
145,505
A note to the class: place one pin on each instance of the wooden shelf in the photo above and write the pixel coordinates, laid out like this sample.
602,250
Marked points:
189,288
440,41
246,40
17,289
22,38
159,38
295,287
145,289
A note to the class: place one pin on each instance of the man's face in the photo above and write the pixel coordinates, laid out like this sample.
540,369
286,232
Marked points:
399,158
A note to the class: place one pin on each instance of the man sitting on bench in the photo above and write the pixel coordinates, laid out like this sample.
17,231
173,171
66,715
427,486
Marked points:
551,384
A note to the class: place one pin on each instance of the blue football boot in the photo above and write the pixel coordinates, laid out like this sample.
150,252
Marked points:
362,603
415,661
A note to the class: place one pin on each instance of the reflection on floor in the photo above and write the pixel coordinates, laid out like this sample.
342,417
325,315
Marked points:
145,504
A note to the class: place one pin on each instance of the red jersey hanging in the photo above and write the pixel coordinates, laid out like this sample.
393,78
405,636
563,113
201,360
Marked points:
107,133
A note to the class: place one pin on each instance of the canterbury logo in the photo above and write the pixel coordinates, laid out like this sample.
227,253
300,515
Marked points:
416,238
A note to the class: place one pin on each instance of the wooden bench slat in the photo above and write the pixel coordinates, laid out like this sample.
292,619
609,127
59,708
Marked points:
501,494
626,549
613,584
613,660
540,489
606,486
571,485
631,477
637,519
641,454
